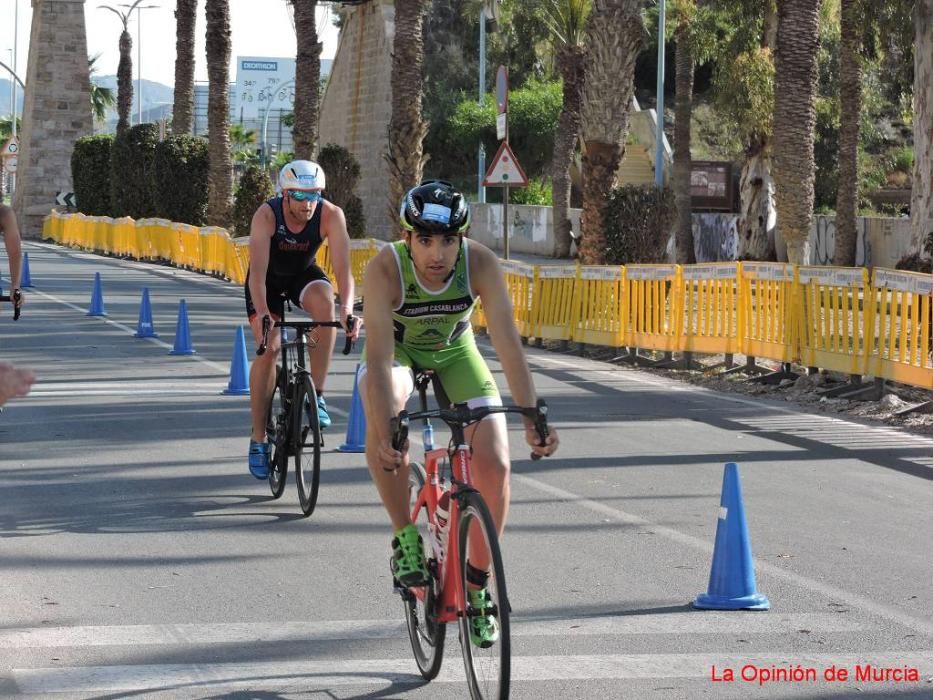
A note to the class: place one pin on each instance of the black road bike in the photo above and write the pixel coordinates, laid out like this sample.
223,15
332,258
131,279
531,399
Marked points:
292,426
15,298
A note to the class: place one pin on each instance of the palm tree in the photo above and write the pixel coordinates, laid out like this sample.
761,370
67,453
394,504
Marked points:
407,127
220,173
683,109
124,68
183,108
921,200
307,78
850,97
795,83
242,140
615,35
102,98
566,21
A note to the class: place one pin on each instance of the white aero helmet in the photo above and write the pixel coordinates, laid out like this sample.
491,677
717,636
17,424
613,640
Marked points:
301,175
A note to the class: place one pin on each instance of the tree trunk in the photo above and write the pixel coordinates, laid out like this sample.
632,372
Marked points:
757,217
307,79
407,127
124,82
183,109
600,165
921,199
570,62
220,172
683,164
615,35
850,95
795,83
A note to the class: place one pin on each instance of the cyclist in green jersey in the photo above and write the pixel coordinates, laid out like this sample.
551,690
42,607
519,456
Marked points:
419,293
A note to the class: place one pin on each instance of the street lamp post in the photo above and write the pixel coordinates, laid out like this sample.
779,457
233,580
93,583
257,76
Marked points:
659,134
13,82
139,54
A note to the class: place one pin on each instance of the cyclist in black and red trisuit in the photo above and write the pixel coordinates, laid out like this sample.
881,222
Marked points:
285,235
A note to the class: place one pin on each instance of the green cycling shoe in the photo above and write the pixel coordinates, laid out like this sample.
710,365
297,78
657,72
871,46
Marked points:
408,563
484,629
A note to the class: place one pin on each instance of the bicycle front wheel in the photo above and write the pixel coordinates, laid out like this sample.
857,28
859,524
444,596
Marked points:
488,663
277,417
425,632
307,438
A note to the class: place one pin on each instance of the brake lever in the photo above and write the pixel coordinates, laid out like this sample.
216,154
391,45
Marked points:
540,419
349,343
266,326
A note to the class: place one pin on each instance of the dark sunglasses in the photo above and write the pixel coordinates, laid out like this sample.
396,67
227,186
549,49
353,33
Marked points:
304,196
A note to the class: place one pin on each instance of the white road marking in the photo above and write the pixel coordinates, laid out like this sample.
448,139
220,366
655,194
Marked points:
893,614
696,622
318,675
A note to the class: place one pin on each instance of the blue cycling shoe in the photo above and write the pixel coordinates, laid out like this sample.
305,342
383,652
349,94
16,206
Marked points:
259,459
323,417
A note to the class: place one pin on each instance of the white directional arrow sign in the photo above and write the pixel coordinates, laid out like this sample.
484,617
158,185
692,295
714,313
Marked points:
505,169
65,199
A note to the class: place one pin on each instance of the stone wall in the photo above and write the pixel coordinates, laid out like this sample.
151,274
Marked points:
531,228
357,104
56,109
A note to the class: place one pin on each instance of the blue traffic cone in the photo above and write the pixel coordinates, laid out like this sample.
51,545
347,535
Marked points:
732,575
97,298
25,277
356,427
145,329
239,367
182,334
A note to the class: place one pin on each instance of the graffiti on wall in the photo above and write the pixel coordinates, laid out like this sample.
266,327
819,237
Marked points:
823,241
715,237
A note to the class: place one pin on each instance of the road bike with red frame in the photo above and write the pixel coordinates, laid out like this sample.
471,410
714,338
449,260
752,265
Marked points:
469,532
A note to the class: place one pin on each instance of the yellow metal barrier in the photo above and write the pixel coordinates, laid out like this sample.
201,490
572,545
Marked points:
766,318
242,255
144,239
520,281
652,307
904,313
834,325
556,308
598,316
710,308
189,245
362,251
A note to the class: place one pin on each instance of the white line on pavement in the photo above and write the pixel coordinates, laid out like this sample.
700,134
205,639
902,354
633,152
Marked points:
696,622
832,592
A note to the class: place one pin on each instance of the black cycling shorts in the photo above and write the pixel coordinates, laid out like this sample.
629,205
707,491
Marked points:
278,287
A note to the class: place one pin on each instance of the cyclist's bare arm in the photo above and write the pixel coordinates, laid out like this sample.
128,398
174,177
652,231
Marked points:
339,243
381,290
11,239
260,234
488,282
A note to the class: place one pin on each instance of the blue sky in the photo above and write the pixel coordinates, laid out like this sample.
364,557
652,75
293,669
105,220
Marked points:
258,29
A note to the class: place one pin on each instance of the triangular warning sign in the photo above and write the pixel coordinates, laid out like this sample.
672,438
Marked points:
505,169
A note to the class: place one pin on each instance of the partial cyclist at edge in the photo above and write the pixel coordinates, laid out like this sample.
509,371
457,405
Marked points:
285,234
420,292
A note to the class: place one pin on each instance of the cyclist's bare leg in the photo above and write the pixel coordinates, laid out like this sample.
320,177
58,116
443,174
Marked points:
491,468
14,382
262,378
392,486
317,299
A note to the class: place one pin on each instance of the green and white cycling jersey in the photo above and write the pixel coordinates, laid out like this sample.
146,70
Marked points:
433,331
426,320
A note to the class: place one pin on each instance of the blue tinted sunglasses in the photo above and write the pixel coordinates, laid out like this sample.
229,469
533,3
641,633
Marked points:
304,196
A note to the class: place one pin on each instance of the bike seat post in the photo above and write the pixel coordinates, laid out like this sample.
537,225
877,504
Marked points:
421,382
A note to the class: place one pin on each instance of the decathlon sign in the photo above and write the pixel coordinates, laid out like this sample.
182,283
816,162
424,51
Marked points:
258,83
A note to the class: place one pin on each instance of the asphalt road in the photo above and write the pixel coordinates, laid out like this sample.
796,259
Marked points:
139,559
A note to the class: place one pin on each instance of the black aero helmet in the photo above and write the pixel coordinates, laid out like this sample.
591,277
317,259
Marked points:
435,206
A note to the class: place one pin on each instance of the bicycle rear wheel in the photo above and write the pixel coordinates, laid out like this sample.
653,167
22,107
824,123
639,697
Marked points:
425,632
277,417
307,438
488,669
